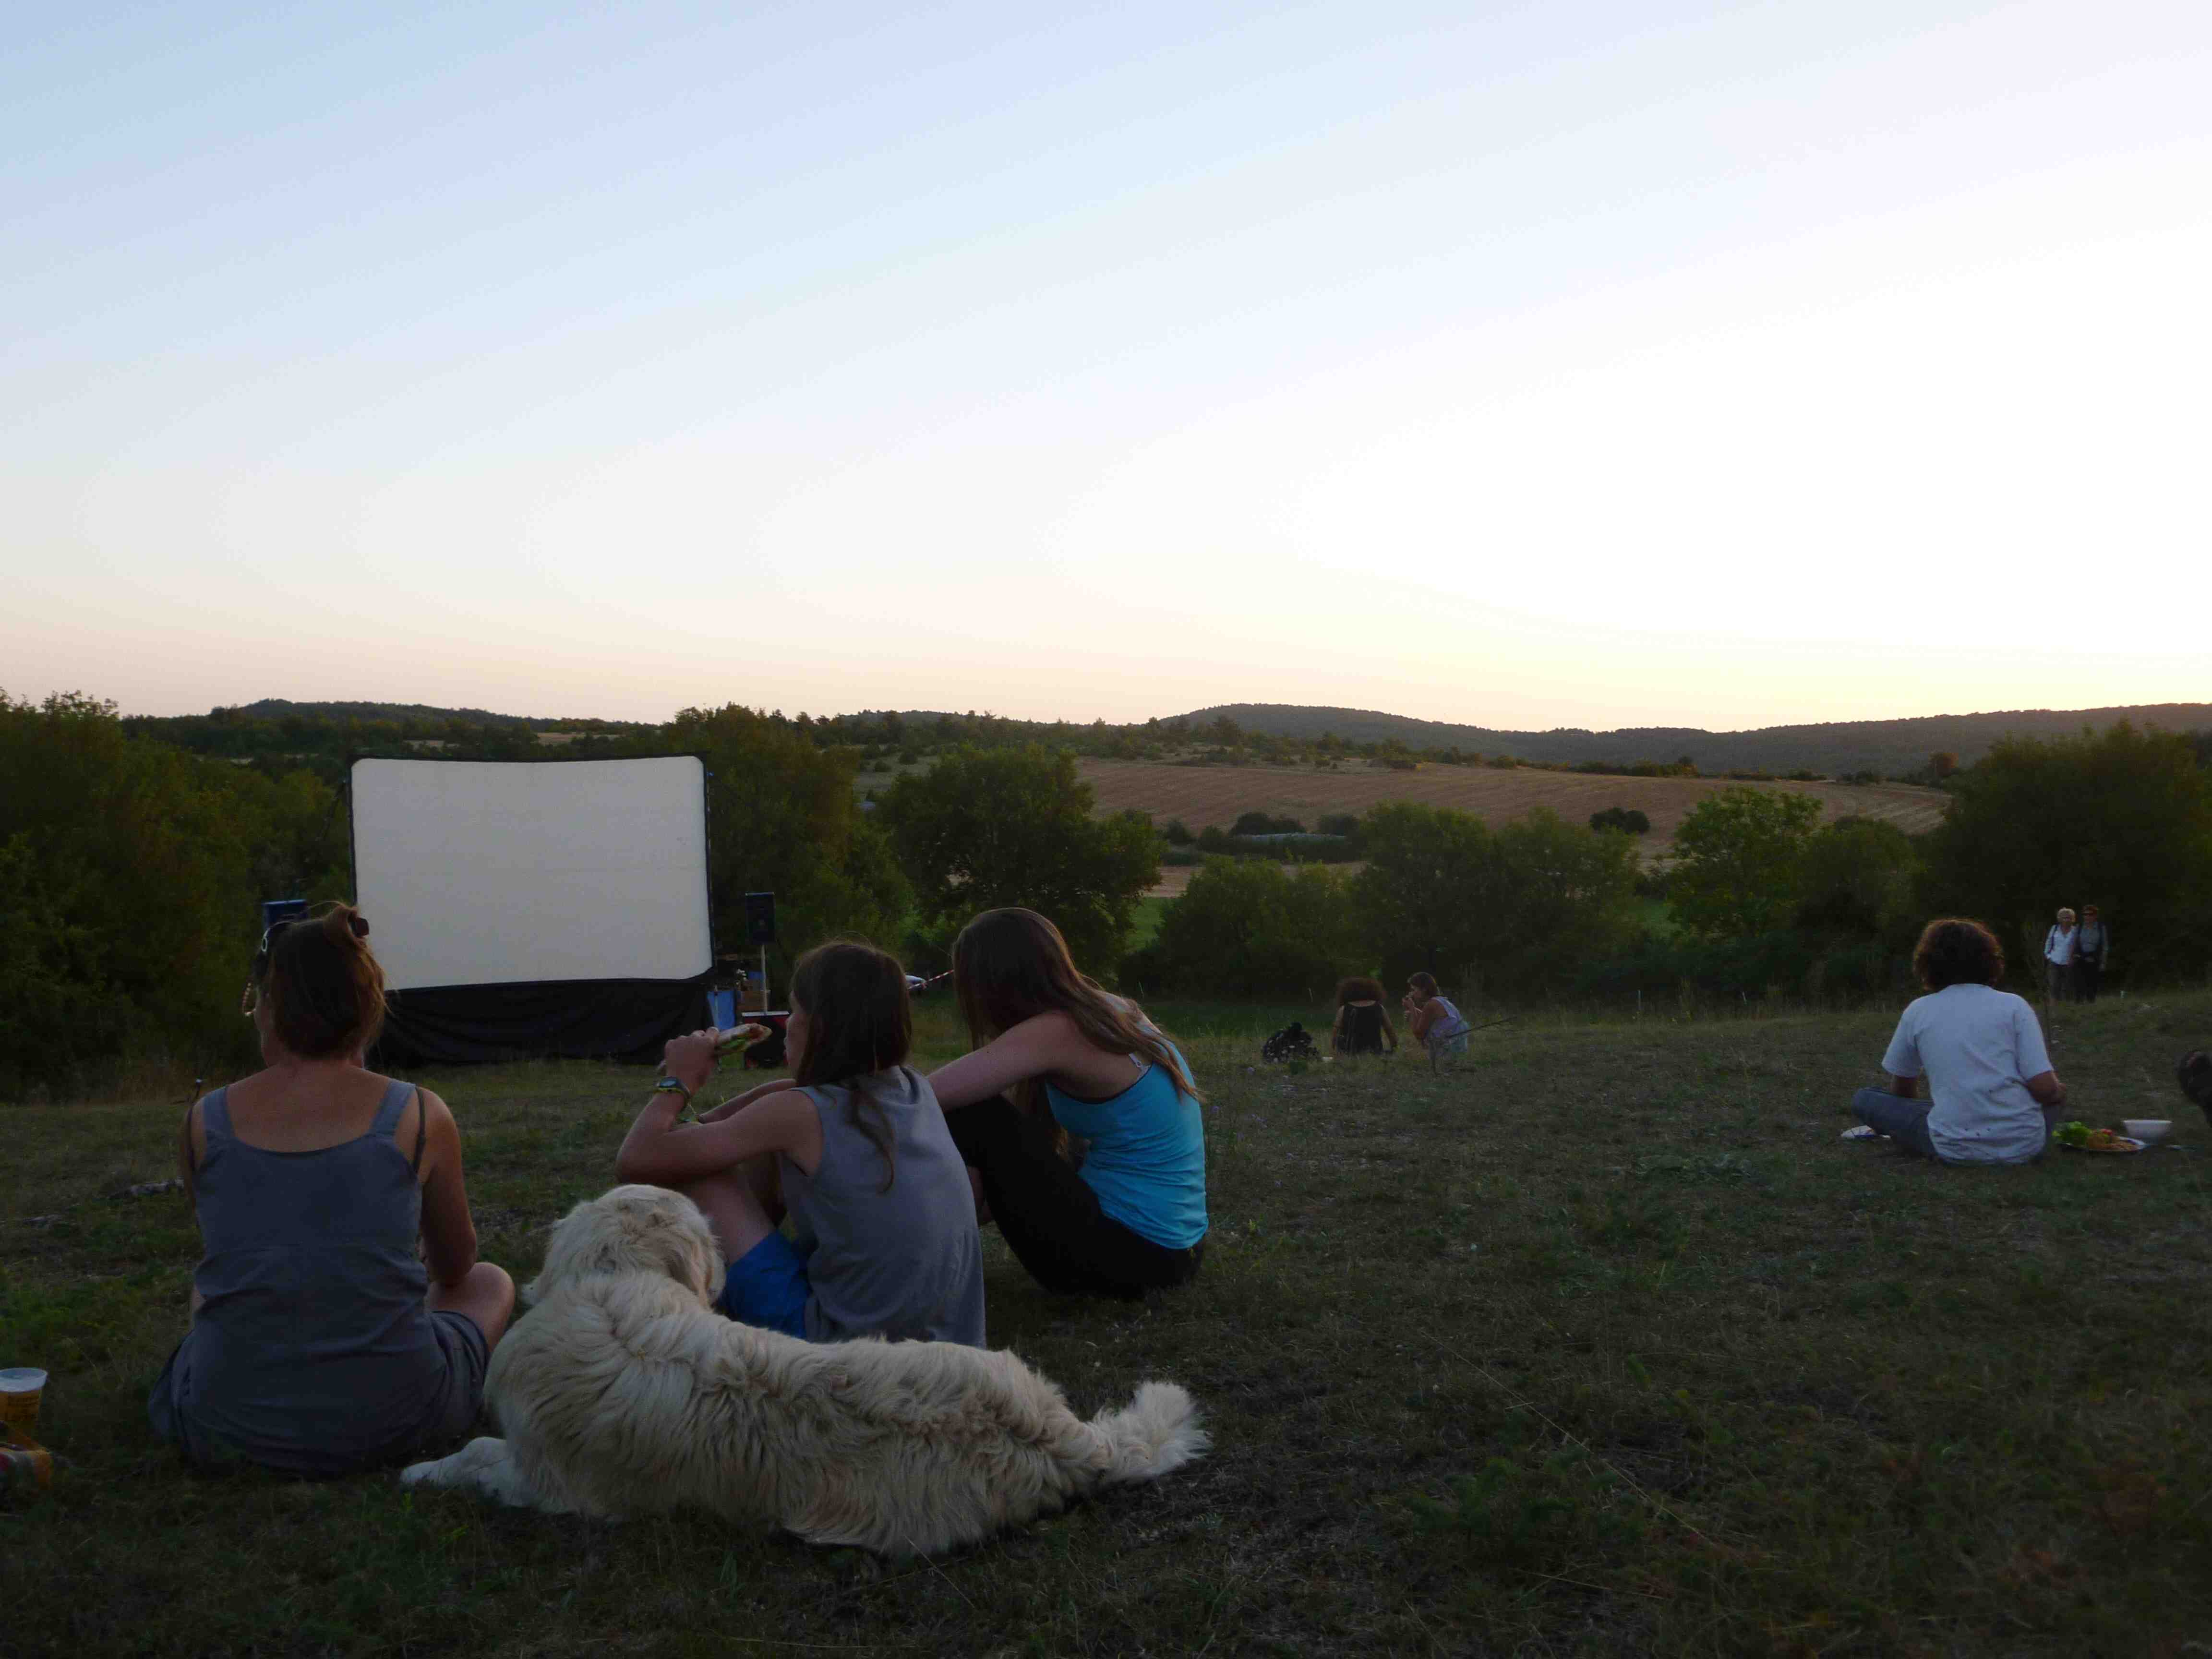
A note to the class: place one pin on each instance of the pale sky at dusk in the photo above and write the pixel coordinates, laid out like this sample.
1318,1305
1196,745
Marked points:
1590,364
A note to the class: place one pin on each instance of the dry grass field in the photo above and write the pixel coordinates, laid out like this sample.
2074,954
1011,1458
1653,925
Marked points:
1201,795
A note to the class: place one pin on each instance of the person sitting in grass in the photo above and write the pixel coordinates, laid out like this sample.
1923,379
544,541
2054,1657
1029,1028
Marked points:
851,1144
1058,1056
320,1344
1992,1095
1435,1022
1362,1025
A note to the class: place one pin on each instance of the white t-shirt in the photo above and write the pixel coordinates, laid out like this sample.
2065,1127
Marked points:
2058,944
1977,1046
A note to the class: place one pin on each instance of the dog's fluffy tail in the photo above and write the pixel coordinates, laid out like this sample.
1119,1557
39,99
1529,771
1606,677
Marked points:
1155,1434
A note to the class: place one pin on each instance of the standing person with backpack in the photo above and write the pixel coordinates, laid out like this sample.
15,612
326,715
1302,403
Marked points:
2058,955
2092,945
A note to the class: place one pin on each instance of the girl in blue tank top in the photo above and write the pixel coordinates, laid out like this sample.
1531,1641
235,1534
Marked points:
1059,1057
319,1342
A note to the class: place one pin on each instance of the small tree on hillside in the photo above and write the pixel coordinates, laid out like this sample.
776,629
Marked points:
1858,877
984,829
1427,899
1246,927
1737,862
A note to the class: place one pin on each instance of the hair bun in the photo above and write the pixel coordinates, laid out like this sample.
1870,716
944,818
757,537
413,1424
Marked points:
359,923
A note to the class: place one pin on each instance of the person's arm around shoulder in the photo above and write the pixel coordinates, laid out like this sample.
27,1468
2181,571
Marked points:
1043,1043
449,1232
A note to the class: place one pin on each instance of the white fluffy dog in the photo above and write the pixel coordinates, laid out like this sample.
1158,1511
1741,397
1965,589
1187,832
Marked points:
625,1393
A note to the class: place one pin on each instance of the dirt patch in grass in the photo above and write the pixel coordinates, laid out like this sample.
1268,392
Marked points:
1603,1344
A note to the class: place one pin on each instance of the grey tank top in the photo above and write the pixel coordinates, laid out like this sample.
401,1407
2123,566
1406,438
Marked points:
313,1346
906,1263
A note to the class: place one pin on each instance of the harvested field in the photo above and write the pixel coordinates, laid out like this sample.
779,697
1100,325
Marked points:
1203,795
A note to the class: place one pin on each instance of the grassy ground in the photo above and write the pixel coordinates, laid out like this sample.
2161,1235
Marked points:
1604,1345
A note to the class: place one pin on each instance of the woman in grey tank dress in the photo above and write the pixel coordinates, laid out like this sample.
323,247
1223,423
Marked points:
319,1343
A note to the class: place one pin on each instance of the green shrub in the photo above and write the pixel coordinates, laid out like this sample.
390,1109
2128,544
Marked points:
1246,928
984,829
1631,820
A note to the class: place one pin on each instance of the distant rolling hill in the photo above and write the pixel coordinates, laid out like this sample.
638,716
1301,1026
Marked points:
1889,747
277,708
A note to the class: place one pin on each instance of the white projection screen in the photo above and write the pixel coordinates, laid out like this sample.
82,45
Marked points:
486,873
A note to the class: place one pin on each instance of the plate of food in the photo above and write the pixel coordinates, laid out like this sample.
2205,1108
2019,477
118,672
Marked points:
2083,1139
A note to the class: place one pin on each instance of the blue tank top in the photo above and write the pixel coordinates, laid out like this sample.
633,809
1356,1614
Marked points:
1147,1157
313,1350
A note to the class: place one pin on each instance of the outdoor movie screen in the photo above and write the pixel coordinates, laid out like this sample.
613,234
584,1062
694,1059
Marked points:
485,873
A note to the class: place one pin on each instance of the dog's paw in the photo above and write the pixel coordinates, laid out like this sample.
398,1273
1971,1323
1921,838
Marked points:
484,1463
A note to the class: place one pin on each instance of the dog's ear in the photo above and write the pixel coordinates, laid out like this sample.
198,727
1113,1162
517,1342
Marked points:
677,1241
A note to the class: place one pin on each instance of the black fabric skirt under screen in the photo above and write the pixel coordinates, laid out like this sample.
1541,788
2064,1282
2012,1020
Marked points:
560,1019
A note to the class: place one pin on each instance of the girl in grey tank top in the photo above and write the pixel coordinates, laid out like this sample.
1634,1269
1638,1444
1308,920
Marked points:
884,1220
313,1350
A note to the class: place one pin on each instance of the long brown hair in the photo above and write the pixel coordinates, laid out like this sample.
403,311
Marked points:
1012,965
321,983
858,1022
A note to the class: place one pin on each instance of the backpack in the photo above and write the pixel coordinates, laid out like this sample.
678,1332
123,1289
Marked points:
1292,1043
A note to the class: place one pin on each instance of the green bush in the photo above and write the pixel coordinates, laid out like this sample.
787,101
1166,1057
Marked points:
1517,911
2121,819
1629,819
785,822
130,873
1737,862
984,829
1246,928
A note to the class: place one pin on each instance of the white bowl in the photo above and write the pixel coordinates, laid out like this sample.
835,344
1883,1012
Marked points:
2149,1130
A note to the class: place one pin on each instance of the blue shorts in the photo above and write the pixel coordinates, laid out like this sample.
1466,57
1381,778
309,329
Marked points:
767,1286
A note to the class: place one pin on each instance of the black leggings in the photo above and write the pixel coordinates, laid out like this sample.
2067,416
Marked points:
1047,1213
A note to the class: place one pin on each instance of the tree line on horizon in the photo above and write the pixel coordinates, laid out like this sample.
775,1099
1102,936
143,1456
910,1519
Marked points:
280,736
131,867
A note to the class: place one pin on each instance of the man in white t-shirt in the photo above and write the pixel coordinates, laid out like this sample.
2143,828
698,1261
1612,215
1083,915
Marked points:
1992,1095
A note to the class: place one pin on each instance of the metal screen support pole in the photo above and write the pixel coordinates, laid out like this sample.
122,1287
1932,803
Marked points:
765,999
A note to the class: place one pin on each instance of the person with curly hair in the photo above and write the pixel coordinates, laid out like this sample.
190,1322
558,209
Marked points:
1992,1096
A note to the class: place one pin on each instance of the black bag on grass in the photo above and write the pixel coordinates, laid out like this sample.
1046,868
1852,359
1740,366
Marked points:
1292,1043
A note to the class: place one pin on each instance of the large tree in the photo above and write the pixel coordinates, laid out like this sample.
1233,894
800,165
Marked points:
983,828
1738,861
783,819
2121,819
1569,899
1429,897
1247,927
1515,910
